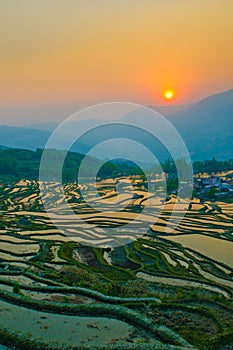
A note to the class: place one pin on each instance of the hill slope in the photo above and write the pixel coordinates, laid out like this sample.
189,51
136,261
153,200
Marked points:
205,126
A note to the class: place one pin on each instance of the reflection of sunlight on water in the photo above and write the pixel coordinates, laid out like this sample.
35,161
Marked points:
217,249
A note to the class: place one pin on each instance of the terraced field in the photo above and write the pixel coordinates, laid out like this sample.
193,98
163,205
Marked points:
163,289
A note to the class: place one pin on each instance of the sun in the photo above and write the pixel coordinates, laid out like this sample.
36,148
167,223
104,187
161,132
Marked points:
168,94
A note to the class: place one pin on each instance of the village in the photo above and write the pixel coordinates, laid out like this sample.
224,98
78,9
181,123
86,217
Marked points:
215,185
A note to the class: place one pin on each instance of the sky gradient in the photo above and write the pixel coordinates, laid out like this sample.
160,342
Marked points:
69,54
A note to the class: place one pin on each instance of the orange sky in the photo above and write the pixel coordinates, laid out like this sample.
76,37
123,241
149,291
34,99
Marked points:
86,52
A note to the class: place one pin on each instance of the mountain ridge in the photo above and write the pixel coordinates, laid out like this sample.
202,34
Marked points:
206,127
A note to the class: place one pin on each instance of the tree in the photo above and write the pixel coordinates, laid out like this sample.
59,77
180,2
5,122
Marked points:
16,288
212,193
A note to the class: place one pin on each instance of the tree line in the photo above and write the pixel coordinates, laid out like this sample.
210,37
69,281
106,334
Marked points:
19,163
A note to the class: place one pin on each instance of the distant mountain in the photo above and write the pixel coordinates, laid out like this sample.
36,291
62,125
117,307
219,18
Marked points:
3,147
19,137
171,109
205,126
42,126
31,139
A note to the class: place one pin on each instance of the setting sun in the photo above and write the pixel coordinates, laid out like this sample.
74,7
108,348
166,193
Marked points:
168,94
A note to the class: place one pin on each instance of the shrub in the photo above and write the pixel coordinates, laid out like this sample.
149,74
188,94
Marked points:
131,289
16,288
65,300
73,275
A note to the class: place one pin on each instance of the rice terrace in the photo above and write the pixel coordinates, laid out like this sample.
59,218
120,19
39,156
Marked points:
116,175
159,291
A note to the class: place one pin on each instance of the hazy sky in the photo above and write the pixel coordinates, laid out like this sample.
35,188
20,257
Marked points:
56,56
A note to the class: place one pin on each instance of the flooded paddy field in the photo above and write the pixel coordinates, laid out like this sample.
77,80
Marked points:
70,330
45,258
217,249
